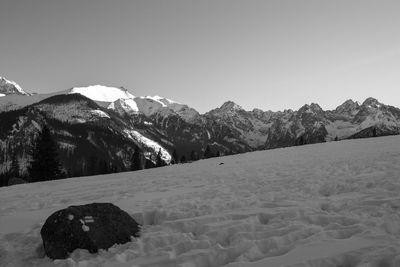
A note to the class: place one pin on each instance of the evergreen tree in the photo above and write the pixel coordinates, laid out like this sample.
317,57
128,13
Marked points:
301,141
207,153
113,168
159,161
374,132
93,165
217,154
14,169
149,164
336,138
174,157
193,156
44,165
4,178
136,162
183,159
103,167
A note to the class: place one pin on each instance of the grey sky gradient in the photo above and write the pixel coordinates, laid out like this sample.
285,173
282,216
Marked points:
265,54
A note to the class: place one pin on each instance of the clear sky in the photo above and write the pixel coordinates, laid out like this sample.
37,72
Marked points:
266,54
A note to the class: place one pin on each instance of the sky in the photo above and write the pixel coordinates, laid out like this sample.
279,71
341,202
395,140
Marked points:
272,55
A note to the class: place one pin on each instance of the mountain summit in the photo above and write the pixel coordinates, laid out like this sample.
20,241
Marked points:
348,106
102,93
8,87
371,102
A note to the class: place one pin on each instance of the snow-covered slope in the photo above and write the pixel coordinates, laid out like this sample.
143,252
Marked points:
99,93
332,204
93,131
147,142
8,87
124,106
118,99
149,105
13,97
14,101
102,93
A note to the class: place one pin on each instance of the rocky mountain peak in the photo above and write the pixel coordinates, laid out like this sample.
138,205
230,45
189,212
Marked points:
316,107
348,106
371,102
230,106
8,87
312,108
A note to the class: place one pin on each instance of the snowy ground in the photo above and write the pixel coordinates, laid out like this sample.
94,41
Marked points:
333,204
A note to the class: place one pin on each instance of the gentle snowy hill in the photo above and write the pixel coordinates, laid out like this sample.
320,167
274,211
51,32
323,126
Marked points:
331,204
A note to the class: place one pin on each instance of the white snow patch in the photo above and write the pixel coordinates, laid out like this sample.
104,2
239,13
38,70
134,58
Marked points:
135,135
208,134
65,145
36,125
65,133
102,93
100,113
19,89
78,120
89,219
148,106
128,106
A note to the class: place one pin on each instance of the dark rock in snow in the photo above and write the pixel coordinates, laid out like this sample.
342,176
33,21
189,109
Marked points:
92,226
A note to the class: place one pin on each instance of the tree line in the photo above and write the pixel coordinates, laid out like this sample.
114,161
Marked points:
45,164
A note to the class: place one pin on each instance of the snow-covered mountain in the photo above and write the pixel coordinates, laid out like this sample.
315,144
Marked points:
102,93
118,99
167,125
8,87
82,128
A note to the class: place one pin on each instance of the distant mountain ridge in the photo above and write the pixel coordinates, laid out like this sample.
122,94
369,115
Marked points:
110,122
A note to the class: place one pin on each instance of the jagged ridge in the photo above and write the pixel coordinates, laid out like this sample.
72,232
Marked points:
166,124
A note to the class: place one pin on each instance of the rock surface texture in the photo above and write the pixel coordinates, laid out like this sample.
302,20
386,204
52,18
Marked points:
93,226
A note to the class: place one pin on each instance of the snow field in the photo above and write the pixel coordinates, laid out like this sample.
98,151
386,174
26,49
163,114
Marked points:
102,93
332,204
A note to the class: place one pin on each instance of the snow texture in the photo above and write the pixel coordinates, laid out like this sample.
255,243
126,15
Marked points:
135,135
4,81
102,93
100,113
331,204
128,106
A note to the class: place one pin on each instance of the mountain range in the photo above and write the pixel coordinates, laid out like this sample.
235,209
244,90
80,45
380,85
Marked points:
109,122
